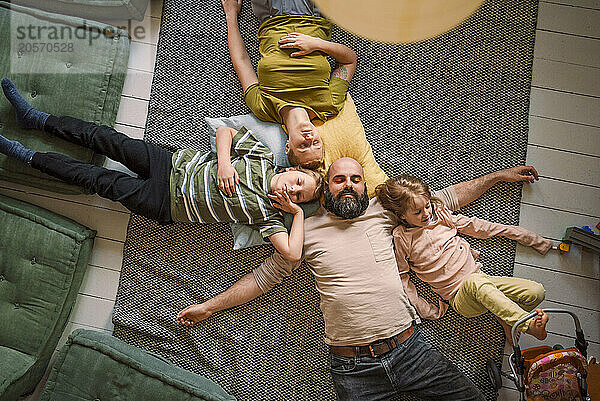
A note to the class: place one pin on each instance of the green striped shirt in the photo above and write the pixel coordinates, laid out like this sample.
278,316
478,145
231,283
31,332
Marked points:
195,196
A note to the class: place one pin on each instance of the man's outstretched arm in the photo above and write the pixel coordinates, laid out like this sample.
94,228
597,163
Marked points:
244,290
269,273
468,191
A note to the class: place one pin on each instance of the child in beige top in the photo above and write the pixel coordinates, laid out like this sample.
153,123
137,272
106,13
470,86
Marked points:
427,242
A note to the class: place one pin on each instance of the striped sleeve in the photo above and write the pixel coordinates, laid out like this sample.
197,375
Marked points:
244,143
272,226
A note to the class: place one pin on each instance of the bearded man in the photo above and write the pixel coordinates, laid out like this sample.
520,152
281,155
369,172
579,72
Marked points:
376,350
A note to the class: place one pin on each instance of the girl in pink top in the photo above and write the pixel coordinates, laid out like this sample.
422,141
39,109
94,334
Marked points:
426,241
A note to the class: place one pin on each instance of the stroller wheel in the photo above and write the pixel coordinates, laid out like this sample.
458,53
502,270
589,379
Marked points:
494,374
557,347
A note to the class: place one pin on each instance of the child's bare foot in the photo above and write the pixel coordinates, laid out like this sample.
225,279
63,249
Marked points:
193,314
537,326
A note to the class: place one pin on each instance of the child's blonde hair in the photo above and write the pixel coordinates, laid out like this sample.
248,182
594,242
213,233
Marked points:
398,194
318,180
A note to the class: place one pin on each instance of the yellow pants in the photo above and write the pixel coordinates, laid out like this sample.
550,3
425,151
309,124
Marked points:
509,298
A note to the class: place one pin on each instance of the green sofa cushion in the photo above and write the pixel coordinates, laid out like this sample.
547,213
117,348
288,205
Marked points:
43,258
85,83
20,363
94,365
94,9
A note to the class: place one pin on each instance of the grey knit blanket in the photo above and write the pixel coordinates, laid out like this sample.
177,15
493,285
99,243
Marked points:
447,109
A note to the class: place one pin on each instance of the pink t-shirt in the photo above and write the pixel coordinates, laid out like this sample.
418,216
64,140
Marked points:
441,258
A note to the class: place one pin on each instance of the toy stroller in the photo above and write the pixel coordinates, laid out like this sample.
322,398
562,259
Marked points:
546,373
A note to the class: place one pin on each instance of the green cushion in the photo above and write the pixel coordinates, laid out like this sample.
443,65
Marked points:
11,379
43,257
94,9
85,83
94,365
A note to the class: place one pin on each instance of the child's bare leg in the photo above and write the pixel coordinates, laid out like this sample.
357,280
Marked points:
537,326
507,331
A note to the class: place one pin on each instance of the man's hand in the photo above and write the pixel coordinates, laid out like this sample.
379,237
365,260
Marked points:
193,314
231,7
283,202
304,43
227,178
468,191
518,173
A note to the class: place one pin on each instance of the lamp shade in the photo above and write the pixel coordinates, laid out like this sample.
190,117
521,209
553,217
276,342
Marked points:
397,21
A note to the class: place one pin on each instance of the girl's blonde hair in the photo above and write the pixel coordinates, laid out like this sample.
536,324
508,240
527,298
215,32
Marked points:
398,194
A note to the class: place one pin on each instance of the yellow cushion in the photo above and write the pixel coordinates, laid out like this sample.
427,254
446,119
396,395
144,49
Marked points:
344,136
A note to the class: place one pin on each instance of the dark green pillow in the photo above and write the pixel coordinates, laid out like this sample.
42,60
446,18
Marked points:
43,258
94,365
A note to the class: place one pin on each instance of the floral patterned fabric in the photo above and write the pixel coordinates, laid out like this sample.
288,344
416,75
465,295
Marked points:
554,376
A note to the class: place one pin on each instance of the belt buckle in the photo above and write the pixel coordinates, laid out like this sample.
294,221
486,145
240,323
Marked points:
372,352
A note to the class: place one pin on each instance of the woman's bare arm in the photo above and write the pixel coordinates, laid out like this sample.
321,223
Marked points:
237,50
343,55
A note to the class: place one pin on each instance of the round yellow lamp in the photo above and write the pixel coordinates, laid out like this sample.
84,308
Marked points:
397,21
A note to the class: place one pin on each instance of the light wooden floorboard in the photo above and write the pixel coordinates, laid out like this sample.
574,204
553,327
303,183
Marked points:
557,194
577,262
107,253
564,106
568,136
592,4
567,19
567,48
564,288
552,223
565,77
566,166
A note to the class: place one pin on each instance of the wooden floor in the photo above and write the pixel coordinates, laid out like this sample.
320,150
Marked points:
564,146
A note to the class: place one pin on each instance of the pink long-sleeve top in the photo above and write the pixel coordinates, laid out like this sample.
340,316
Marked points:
440,257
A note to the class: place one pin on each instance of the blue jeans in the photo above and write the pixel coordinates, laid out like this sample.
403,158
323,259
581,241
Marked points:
414,367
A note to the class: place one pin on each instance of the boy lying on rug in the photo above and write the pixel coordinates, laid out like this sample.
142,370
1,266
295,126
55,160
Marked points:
426,241
187,185
295,84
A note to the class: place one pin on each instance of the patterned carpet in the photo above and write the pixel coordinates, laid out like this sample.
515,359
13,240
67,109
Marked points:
447,109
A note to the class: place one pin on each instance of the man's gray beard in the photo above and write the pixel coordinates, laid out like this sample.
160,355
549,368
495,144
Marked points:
346,208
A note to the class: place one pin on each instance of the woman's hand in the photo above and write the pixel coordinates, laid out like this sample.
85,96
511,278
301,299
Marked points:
231,7
283,202
304,43
227,178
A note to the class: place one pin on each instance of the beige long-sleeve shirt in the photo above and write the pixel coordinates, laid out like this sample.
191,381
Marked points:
441,258
353,261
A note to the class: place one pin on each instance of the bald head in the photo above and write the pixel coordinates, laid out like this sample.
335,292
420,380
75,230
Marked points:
345,166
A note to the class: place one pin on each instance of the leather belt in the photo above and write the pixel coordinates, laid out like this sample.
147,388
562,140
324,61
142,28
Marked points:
375,349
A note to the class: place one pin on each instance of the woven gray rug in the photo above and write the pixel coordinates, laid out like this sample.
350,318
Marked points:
448,110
